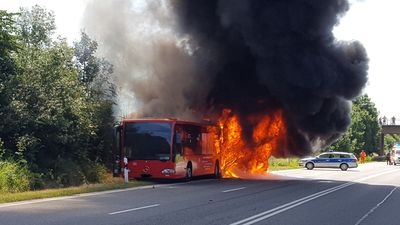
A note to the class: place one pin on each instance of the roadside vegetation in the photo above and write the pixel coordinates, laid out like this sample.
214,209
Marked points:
55,106
117,183
364,131
283,163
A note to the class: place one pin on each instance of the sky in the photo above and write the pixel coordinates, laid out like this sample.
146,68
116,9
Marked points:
372,22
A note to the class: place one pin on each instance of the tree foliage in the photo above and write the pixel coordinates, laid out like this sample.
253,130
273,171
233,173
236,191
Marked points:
56,101
363,132
36,26
391,140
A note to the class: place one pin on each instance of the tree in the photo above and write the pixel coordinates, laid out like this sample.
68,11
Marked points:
95,75
363,132
391,140
62,122
8,47
36,26
56,101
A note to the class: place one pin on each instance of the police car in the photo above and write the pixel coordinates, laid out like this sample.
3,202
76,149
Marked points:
342,160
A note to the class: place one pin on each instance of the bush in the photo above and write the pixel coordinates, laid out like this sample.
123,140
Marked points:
97,173
368,158
282,163
379,158
66,173
14,177
69,173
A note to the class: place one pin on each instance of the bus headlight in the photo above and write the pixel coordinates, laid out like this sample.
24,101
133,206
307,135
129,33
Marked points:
168,171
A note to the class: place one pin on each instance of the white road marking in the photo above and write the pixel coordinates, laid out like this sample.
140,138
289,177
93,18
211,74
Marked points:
134,209
264,215
374,208
235,189
272,212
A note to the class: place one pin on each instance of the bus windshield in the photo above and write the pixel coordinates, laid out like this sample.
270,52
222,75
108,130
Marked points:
148,140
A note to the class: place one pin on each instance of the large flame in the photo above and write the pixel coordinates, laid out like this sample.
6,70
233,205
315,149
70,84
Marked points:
240,158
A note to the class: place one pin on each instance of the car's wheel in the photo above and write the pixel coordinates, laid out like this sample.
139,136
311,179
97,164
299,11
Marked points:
217,171
344,166
189,172
394,162
310,165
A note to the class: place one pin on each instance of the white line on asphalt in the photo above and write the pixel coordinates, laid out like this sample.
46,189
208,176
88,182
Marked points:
264,215
235,189
134,209
377,206
269,213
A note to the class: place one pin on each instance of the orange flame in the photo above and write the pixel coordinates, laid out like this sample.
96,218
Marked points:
240,159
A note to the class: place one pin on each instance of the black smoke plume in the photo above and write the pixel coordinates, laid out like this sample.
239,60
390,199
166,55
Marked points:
252,56
280,54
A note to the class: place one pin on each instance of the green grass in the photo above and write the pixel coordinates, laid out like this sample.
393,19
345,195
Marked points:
59,192
283,163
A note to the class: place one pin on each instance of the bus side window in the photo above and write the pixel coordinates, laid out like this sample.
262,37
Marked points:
177,144
191,140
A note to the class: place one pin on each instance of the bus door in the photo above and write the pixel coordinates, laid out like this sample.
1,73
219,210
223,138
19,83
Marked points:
177,152
191,145
207,148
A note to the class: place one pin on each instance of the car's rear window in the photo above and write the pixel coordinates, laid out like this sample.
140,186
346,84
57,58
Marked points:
344,156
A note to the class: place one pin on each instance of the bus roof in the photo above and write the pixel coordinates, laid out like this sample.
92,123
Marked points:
167,120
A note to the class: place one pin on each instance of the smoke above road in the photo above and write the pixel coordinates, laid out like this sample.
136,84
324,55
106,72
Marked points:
190,59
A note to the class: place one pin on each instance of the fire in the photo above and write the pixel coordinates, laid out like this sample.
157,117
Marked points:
240,158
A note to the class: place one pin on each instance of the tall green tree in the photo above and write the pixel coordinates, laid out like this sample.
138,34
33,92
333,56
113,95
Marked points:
363,133
8,47
36,26
95,74
61,103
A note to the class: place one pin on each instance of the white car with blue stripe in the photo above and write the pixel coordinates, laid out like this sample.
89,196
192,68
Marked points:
342,160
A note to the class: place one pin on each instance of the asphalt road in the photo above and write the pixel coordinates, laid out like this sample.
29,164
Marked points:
367,195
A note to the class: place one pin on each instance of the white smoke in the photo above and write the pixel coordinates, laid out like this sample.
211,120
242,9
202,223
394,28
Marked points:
155,74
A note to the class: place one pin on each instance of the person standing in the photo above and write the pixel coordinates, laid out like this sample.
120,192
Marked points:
362,156
388,161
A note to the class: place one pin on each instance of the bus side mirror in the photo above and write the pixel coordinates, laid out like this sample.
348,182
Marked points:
117,170
117,129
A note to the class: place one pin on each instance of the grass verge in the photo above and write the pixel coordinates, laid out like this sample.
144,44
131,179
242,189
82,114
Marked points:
283,163
59,192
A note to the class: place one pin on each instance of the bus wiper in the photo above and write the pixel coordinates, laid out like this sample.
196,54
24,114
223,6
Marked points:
164,158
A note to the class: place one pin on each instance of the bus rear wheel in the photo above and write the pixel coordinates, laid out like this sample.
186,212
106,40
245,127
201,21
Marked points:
189,172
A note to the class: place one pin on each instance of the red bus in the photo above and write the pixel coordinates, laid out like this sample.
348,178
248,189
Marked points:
167,148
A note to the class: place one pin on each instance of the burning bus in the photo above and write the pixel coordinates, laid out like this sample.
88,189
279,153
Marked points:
175,149
167,148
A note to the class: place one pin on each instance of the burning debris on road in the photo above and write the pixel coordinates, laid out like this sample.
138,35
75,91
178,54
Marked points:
270,71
